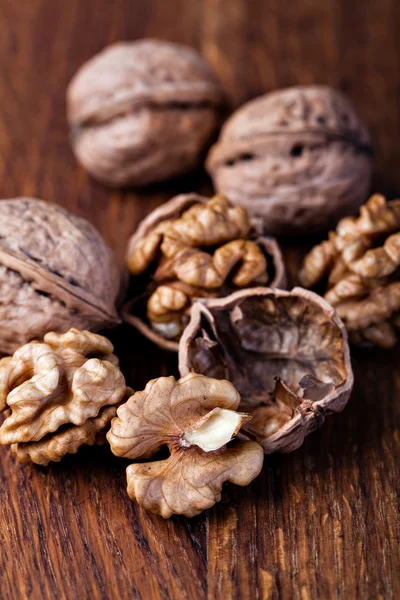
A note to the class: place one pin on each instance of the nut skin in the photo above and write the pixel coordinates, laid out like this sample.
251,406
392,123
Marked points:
142,112
300,158
189,480
59,394
55,273
286,353
179,231
361,263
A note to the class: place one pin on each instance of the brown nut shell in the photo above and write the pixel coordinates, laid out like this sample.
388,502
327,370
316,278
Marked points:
300,158
285,352
142,111
55,273
134,311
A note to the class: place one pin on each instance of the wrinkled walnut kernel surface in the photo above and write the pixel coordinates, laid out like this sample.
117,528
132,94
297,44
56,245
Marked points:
300,158
60,394
55,272
142,111
194,247
285,352
189,480
358,270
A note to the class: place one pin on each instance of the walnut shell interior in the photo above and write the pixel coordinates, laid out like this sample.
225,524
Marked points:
285,352
143,286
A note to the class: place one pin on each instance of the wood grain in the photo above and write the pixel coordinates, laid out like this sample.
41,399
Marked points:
322,522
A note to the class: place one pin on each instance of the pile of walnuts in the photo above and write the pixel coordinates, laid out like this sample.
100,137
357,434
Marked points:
260,366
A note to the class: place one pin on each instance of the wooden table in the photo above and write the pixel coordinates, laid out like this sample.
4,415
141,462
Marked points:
320,523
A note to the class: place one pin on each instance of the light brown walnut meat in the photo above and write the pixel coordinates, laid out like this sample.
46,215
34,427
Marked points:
142,111
195,418
358,268
55,273
300,158
285,352
60,393
194,247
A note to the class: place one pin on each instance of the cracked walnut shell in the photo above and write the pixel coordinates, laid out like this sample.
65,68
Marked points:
58,395
194,247
300,158
195,418
55,273
285,352
142,111
358,268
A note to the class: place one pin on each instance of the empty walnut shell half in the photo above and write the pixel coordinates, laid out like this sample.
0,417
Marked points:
142,112
59,394
298,157
193,247
285,352
358,270
55,273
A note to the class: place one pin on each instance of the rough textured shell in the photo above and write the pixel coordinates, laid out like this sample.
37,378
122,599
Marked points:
171,210
55,272
257,335
130,104
299,157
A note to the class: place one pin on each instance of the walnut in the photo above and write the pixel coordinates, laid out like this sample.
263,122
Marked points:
195,418
285,352
194,247
61,393
299,157
359,270
55,273
142,111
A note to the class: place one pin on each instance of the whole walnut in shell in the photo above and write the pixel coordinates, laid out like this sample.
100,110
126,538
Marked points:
194,247
55,273
59,394
358,268
142,112
299,157
195,418
285,352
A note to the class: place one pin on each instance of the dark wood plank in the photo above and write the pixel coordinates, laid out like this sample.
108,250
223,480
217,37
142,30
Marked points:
320,523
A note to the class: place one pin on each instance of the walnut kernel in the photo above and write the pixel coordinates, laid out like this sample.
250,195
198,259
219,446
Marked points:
195,418
60,394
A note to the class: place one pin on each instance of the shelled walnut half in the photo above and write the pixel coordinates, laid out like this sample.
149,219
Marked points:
58,395
195,418
358,270
285,352
56,272
194,247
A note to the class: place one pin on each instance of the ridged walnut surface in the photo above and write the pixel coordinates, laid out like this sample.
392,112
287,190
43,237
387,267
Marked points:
190,480
285,352
299,157
55,273
142,111
59,394
359,268
194,247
